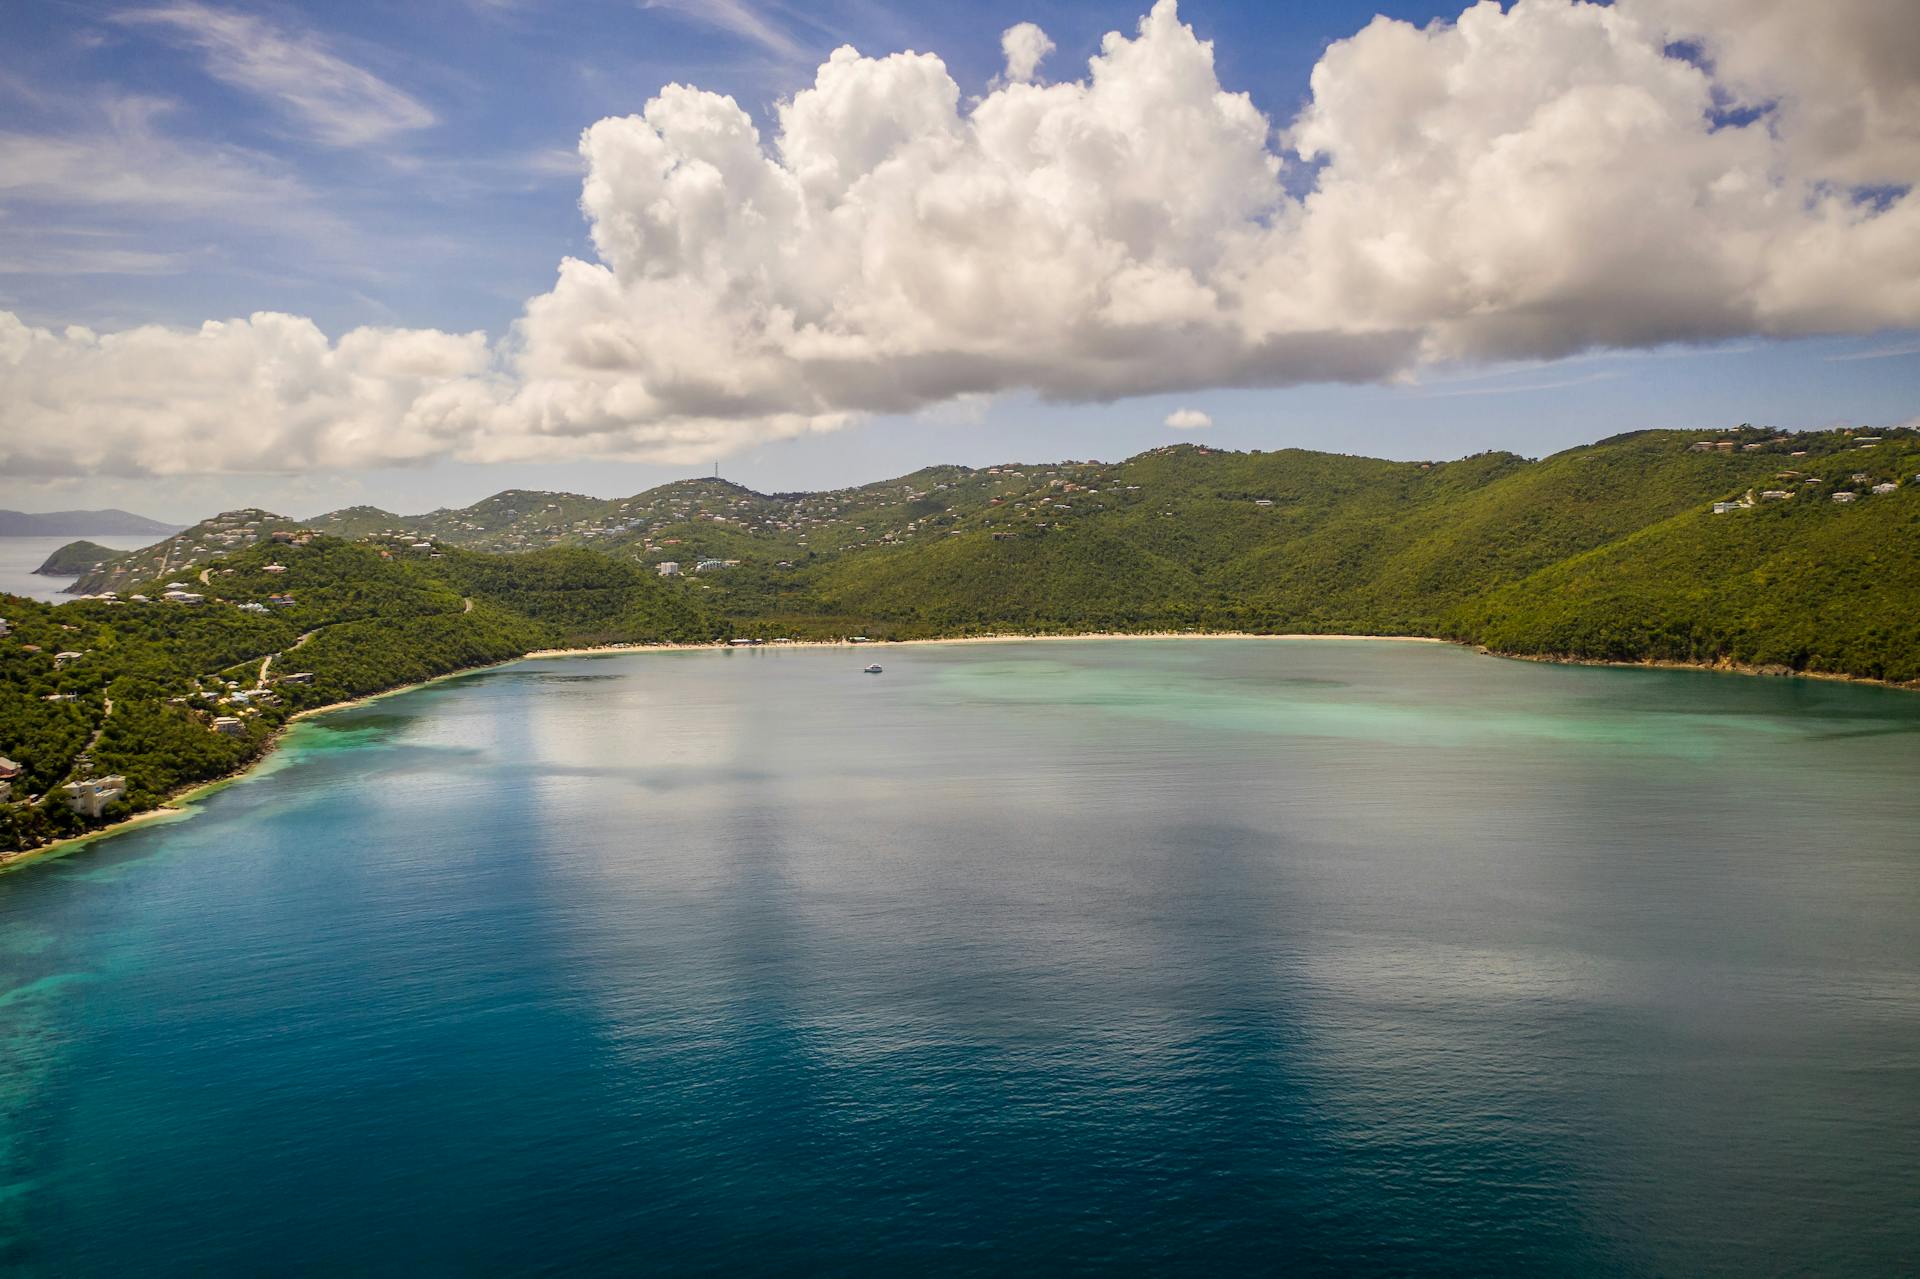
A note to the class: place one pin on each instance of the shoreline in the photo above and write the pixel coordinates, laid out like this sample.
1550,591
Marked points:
179,805
1710,668
723,646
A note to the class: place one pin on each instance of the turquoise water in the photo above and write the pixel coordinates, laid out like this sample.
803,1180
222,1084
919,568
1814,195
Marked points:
1230,957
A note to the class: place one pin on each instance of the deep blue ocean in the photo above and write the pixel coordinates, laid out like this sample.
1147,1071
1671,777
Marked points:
1082,958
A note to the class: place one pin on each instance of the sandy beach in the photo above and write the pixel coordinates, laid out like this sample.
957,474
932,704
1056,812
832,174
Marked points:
180,805
973,639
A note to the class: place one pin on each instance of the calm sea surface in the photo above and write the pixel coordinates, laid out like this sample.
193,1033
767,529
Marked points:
1226,957
19,556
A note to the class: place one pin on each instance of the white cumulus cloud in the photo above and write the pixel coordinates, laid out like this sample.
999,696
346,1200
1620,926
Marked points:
267,393
1521,183
1025,46
1188,420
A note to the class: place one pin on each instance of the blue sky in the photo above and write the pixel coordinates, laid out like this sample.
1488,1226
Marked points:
426,178
454,224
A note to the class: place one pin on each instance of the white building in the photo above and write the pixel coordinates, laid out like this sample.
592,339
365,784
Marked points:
668,568
91,797
228,726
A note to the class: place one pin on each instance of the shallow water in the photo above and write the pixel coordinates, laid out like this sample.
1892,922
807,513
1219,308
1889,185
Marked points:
1116,957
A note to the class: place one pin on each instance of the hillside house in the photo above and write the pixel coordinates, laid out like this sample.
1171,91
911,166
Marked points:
1888,487
1775,495
228,726
90,798
668,568
1845,497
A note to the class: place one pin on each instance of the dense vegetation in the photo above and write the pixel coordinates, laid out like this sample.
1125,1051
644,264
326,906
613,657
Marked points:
1608,552
76,558
282,628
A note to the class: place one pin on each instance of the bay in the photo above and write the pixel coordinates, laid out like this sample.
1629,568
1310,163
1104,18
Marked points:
1115,957
19,556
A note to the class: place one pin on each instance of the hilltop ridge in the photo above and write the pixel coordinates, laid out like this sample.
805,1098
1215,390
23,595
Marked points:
710,518
108,522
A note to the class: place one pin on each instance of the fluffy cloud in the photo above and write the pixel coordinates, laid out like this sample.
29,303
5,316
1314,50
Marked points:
268,393
1840,75
1551,178
1188,420
1527,182
1025,47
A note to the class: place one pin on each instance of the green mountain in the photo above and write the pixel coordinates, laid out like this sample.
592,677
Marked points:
1784,552
1301,541
185,553
75,558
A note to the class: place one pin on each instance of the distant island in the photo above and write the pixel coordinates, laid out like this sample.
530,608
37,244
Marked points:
106,523
1744,549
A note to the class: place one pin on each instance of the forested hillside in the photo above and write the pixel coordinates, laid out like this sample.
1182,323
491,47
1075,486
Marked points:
1787,552
1300,541
75,558
168,692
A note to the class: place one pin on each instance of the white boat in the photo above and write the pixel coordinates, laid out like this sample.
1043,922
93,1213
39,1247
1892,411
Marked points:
874,669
